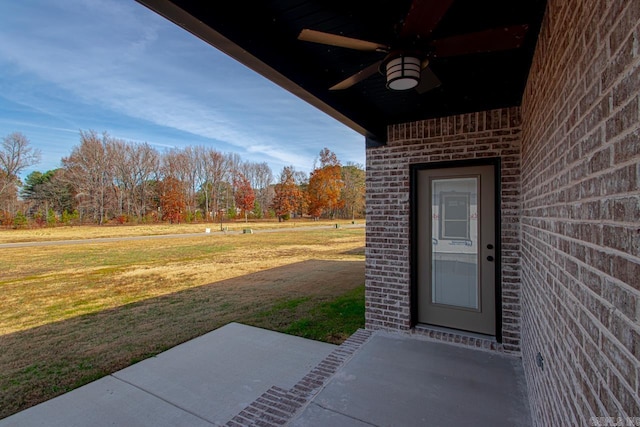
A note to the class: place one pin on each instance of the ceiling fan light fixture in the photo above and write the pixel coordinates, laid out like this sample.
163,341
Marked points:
403,72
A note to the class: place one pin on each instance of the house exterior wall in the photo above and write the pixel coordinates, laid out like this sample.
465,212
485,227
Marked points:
581,215
488,134
570,214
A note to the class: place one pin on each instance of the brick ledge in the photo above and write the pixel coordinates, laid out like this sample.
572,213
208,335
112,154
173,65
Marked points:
277,406
462,338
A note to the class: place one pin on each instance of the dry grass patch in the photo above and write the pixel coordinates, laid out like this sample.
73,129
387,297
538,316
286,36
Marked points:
70,314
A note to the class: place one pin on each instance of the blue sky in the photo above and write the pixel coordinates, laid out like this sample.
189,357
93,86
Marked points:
115,66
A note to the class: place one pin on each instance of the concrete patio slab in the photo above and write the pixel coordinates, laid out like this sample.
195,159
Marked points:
205,381
244,376
397,380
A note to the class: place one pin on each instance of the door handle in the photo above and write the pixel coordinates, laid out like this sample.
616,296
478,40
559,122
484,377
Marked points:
489,258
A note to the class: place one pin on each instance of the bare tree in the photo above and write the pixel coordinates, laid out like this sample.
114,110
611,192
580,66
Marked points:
261,178
135,167
89,169
203,176
234,166
16,154
213,175
227,189
192,175
353,191
145,164
118,152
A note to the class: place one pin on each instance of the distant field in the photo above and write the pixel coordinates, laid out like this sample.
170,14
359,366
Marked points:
71,314
92,232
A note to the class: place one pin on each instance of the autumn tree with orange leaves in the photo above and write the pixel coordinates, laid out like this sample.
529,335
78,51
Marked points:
325,186
287,194
172,200
244,195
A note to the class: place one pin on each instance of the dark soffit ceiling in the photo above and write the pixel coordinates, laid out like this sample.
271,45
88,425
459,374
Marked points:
263,35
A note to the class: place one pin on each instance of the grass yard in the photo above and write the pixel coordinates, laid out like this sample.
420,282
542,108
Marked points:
70,314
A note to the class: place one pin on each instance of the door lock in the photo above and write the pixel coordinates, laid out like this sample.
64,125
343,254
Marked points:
489,246
489,258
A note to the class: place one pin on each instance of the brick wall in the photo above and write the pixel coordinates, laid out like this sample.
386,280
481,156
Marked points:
493,133
581,214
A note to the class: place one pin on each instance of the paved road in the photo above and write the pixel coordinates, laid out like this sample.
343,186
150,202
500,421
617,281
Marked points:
164,236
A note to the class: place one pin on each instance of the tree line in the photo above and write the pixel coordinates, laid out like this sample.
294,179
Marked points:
109,180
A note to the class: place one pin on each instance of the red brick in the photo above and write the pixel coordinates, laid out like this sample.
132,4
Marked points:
628,149
624,119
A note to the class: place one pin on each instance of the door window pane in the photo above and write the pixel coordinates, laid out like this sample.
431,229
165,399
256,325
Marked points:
454,254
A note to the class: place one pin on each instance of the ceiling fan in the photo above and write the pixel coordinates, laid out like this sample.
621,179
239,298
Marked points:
407,58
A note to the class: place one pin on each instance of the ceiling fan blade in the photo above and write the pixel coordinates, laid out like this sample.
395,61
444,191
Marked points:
357,77
423,17
428,81
492,40
340,41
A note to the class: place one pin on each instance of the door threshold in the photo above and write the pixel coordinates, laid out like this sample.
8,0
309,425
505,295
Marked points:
463,338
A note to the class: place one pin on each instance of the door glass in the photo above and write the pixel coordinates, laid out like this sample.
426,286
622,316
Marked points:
454,258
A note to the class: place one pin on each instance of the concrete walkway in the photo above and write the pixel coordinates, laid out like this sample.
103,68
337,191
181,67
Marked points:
203,382
241,376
